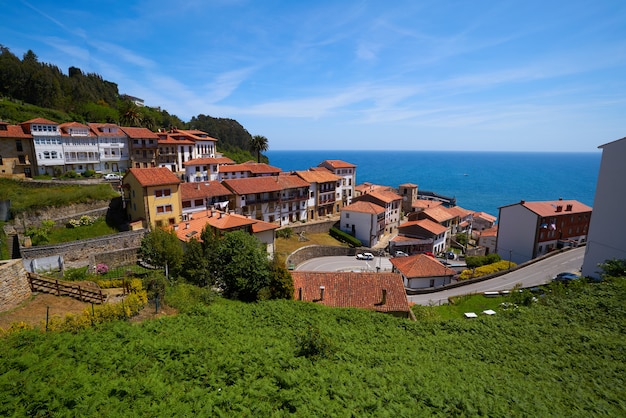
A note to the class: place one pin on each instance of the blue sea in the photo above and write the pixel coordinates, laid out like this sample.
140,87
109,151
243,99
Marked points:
480,181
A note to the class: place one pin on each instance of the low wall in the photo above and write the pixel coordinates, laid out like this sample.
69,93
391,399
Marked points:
313,251
60,215
114,250
14,287
312,227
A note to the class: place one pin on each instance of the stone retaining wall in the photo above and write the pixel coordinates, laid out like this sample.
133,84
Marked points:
14,286
313,251
313,227
113,250
60,215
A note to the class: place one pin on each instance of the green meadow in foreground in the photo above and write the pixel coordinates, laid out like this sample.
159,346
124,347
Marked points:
563,355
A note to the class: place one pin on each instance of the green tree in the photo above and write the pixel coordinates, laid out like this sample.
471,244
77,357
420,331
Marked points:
244,268
259,143
196,265
161,248
281,282
129,114
613,268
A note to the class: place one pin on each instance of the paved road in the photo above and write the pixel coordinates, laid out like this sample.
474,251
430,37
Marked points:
532,275
535,274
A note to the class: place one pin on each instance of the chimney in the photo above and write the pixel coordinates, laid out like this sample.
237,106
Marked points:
522,202
299,293
186,225
197,186
568,208
559,208
175,227
384,300
221,213
322,292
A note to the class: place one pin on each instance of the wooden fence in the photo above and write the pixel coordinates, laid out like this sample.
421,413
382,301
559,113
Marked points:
60,288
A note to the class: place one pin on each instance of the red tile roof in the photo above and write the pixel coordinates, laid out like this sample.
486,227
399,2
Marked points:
209,161
13,131
39,121
201,189
425,224
421,265
336,164
252,185
251,167
550,208
317,176
153,176
98,127
490,232
408,185
364,207
139,133
385,196
483,215
459,211
425,204
438,214
352,290
219,220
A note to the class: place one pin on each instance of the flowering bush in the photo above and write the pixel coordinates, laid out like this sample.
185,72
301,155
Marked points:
102,268
83,221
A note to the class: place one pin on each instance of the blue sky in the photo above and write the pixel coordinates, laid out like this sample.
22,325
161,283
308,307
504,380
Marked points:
418,75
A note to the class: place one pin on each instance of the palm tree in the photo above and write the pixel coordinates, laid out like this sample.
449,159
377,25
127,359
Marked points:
259,143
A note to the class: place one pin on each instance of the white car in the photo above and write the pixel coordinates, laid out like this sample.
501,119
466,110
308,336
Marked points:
112,176
365,256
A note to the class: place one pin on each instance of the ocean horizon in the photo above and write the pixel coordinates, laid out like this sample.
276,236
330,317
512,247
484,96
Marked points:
481,181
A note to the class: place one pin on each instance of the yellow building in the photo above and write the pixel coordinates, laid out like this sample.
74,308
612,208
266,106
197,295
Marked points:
152,195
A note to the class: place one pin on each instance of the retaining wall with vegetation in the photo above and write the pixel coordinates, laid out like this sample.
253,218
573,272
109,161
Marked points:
14,287
312,227
62,215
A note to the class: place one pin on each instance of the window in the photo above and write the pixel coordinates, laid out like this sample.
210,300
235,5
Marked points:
164,209
198,202
162,193
18,145
347,215
21,158
186,203
1,162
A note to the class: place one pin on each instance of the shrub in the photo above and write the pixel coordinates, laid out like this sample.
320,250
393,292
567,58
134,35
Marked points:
89,173
486,269
284,233
344,237
75,274
102,268
314,345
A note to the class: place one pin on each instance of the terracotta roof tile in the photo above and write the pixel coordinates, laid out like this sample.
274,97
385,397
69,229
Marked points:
39,121
139,133
209,161
385,196
220,220
317,176
549,208
425,204
485,216
251,167
424,224
336,164
352,290
153,176
13,131
438,214
252,185
421,265
364,207
201,189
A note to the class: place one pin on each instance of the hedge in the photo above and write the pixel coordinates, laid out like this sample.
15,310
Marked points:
344,237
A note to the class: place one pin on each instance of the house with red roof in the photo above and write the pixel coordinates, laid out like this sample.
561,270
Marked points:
245,170
152,195
482,220
486,238
409,194
223,222
177,146
203,196
280,199
347,173
363,220
391,201
324,196
113,147
144,147
380,292
527,230
205,168
422,271
47,144
421,236
80,147
17,156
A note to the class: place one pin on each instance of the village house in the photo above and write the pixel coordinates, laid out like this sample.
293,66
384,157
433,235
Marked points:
17,156
323,186
152,195
363,220
205,168
380,292
607,229
144,147
347,173
482,220
408,191
113,147
421,236
486,238
177,146
48,145
80,147
527,230
223,222
280,199
422,271
245,170
389,200
203,196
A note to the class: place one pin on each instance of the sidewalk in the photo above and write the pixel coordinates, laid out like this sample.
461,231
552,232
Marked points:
384,241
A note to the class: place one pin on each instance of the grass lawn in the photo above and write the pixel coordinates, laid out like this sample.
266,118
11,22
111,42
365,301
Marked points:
285,246
460,305
97,229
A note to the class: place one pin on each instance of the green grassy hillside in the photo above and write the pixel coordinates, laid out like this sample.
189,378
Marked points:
563,356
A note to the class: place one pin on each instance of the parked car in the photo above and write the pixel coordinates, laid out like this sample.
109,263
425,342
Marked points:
365,256
566,277
400,254
112,176
428,253
450,255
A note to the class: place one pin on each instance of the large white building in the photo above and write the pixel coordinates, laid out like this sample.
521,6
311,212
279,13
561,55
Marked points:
607,228
363,220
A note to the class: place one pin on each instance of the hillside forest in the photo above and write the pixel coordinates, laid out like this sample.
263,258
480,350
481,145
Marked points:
32,89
